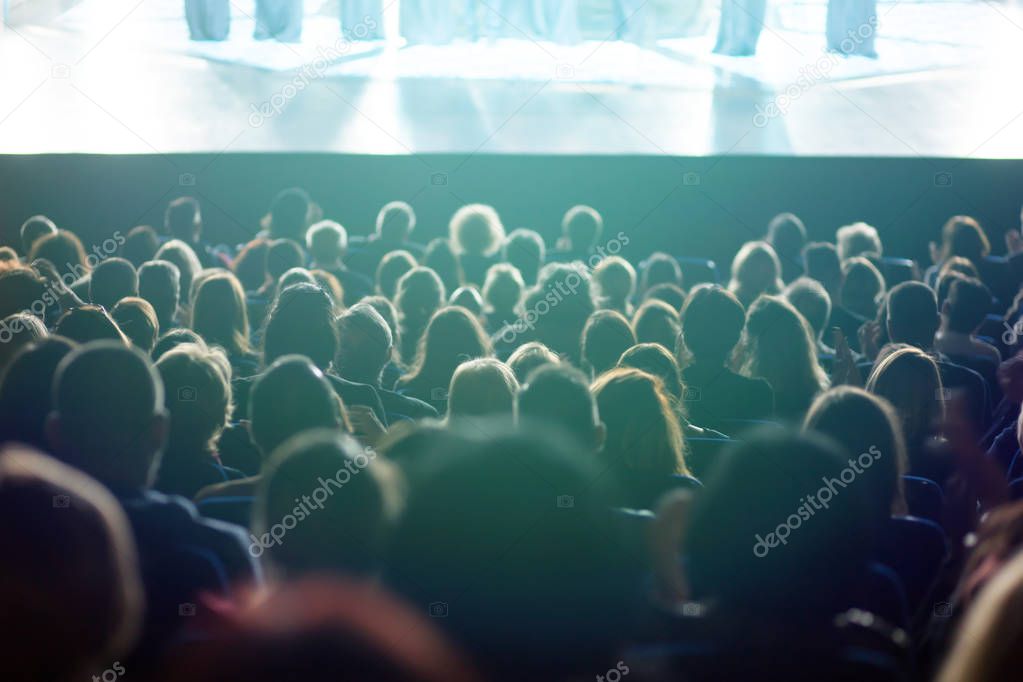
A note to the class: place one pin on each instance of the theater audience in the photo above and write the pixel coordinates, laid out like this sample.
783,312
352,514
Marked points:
639,497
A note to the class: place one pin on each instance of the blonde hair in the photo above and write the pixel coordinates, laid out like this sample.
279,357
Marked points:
858,239
198,394
755,270
476,229
482,387
643,431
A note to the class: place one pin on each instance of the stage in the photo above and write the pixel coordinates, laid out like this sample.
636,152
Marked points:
121,77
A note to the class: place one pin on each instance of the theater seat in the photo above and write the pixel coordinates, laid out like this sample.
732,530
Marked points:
923,497
702,454
235,509
915,549
898,270
698,270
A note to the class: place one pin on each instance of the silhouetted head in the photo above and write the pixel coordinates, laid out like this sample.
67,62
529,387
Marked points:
137,320
301,322
395,222
559,395
70,591
34,229
183,220
292,396
912,314
606,336
108,414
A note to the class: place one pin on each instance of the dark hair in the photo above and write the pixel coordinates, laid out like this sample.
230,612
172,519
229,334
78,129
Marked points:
301,322
525,249
391,269
174,338
606,336
659,268
250,264
89,323
787,234
395,222
753,492
137,320
140,245
712,321
292,396
528,357
219,313
441,258
451,337
912,314
657,322
969,301
672,294
560,316
160,284
290,213
283,255
866,425
106,396
823,265
365,344
345,532
112,280
560,395
25,395
34,229
183,219
504,483
963,236
22,289
64,249
582,226
656,360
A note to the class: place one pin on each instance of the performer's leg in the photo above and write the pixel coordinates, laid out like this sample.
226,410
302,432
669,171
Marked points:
208,19
280,20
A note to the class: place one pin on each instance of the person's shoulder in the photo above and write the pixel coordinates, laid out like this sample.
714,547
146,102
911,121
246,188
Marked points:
408,406
234,488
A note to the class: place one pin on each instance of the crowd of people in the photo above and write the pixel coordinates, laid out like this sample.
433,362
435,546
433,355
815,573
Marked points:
309,457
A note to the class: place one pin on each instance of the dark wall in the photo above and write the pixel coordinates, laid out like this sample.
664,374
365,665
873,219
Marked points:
688,206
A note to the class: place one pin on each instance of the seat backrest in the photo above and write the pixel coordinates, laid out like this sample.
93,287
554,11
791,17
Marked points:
235,509
898,270
698,270
923,497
